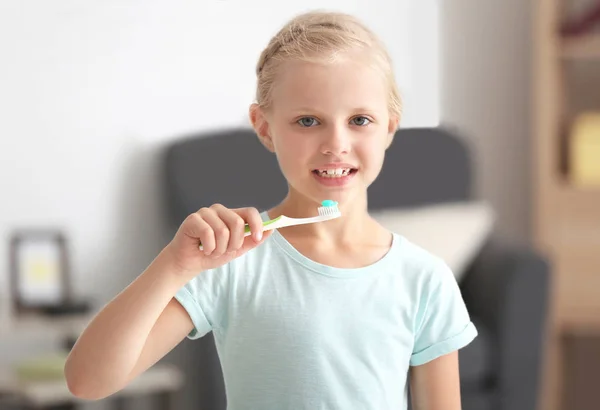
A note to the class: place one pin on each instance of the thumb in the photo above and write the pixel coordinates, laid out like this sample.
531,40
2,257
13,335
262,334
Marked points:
250,243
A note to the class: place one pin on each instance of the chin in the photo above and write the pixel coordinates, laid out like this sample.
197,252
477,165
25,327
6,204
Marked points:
341,196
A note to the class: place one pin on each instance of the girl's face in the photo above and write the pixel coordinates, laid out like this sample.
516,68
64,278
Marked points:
329,126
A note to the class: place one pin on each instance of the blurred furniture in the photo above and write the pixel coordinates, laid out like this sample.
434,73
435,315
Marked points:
583,23
66,327
584,150
505,288
566,214
160,381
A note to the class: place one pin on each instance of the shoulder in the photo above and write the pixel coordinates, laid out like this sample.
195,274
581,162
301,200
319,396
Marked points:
440,321
419,264
423,275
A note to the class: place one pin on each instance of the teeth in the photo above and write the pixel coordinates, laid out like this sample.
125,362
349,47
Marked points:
334,173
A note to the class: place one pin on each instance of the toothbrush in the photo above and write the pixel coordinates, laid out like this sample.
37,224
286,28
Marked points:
328,210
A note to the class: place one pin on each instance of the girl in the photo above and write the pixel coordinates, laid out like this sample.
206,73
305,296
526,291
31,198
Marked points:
341,314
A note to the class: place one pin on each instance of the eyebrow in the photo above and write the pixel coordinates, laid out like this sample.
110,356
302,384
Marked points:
362,110
304,109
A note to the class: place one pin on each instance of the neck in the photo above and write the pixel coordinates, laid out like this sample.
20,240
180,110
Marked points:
354,222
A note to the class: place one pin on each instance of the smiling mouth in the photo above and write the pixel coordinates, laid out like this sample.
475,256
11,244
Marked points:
334,173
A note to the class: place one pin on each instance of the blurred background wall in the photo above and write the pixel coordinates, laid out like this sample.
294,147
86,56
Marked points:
486,56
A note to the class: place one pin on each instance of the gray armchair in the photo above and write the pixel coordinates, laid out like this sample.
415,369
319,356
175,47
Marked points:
505,289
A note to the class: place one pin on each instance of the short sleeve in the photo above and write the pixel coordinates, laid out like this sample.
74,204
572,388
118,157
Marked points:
205,298
443,323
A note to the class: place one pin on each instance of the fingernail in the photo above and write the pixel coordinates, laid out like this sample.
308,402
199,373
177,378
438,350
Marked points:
258,236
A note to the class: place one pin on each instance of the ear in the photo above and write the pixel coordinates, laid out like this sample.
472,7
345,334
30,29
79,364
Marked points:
392,128
261,126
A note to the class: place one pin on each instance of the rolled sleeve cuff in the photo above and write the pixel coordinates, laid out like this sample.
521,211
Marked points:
442,348
201,324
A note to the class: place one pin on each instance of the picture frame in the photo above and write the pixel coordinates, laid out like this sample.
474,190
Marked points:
39,271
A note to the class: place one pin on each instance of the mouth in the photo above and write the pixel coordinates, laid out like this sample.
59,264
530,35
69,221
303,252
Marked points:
334,172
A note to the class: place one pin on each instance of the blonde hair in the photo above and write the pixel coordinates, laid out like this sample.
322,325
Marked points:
321,36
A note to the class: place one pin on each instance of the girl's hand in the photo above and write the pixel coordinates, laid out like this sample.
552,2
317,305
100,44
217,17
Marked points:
221,232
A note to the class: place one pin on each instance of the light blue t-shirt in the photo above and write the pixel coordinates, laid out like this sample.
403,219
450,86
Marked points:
295,334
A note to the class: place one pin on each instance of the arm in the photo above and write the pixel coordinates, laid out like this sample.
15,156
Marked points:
137,328
435,385
143,323
444,329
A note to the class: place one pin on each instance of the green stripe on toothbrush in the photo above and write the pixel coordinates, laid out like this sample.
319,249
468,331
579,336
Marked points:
266,223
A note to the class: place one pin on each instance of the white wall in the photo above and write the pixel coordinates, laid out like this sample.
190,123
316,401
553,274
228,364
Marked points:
91,91
485,70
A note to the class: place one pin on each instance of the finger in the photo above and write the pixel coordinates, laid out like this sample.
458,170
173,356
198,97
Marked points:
250,243
196,228
221,232
254,221
236,225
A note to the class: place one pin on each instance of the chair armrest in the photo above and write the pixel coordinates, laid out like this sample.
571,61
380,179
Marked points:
506,289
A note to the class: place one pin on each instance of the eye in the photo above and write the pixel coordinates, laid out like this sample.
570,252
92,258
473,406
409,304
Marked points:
307,121
361,121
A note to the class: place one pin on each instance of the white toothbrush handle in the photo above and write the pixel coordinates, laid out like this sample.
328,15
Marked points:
283,221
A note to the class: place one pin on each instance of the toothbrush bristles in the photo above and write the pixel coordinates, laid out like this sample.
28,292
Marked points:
328,211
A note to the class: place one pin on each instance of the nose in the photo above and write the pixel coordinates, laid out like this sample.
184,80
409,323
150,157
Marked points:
336,141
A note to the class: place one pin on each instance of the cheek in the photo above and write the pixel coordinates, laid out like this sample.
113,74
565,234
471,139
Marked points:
292,154
373,152
372,158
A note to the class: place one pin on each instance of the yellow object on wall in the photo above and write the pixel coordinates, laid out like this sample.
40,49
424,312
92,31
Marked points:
584,150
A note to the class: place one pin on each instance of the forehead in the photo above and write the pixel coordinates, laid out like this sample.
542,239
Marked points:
344,84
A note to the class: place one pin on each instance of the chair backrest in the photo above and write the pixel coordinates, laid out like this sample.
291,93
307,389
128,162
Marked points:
422,166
